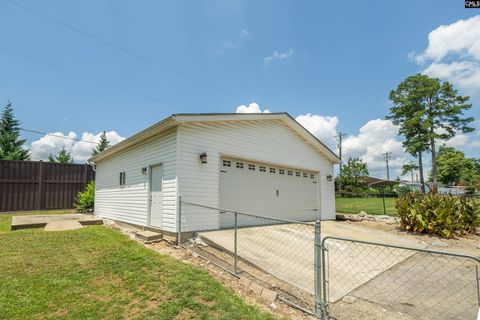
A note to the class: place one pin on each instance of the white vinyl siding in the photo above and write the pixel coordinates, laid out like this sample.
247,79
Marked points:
261,141
129,203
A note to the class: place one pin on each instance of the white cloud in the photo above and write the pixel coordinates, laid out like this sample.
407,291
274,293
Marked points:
375,138
81,151
453,54
252,108
278,56
322,127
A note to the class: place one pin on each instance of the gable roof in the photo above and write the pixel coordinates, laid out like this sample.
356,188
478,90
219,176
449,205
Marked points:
179,118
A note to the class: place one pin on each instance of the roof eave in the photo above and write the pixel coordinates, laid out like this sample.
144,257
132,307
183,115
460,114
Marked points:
147,133
176,119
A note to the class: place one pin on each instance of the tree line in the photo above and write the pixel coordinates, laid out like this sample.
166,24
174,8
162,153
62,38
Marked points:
13,147
428,112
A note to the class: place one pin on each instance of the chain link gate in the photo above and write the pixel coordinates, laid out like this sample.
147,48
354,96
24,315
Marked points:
421,283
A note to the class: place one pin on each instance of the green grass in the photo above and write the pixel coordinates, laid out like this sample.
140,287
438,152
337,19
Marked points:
98,273
369,205
6,218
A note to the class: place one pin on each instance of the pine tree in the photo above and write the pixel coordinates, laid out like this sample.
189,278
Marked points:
63,156
11,146
427,111
102,145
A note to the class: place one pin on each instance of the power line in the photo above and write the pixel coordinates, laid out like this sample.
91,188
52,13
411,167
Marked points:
125,50
57,135
87,77
348,148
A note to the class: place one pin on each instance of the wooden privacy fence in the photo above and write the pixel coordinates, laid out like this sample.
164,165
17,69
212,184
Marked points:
38,185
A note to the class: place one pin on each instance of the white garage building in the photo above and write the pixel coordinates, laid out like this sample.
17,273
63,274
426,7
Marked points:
265,164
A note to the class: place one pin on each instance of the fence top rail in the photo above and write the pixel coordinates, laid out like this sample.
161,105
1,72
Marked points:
453,254
246,214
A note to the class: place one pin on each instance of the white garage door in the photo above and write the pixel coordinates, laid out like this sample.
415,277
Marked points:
267,190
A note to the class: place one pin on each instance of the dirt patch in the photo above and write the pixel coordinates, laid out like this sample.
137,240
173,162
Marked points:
360,309
62,313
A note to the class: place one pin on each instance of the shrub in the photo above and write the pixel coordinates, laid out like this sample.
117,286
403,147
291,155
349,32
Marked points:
403,190
444,215
85,200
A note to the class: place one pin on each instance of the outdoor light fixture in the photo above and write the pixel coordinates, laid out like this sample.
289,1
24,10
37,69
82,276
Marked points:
144,170
329,177
203,157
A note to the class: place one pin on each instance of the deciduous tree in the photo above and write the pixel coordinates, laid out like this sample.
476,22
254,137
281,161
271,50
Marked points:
353,174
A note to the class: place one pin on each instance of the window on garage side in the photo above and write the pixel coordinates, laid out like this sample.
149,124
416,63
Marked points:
240,165
123,176
312,176
251,167
272,170
297,174
227,163
290,173
281,171
262,169
305,175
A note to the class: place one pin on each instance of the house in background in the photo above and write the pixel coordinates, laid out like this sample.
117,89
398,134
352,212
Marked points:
265,164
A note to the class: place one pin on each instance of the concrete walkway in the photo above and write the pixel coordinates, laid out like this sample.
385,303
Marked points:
40,221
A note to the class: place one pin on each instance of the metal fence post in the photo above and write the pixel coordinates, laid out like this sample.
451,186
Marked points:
179,221
384,208
235,239
318,252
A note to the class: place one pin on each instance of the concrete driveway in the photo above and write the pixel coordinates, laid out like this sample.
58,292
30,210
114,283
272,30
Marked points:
402,280
286,251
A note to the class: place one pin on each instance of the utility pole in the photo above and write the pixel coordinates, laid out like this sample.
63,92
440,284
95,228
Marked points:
339,138
387,155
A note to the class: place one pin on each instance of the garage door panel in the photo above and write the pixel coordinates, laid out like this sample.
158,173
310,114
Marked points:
272,193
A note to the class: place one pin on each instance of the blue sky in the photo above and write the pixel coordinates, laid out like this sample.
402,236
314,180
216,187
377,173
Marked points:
336,59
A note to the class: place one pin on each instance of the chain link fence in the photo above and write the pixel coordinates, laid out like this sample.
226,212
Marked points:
277,252
423,284
315,274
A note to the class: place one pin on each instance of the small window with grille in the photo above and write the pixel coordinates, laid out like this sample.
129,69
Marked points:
305,175
290,173
272,170
240,165
251,167
281,171
312,176
227,163
297,174
262,169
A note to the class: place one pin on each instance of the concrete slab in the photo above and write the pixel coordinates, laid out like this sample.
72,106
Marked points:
40,221
148,236
62,225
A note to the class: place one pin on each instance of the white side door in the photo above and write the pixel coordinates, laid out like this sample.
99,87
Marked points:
156,195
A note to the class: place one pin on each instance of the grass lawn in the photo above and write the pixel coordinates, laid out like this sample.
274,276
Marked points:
98,273
369,205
